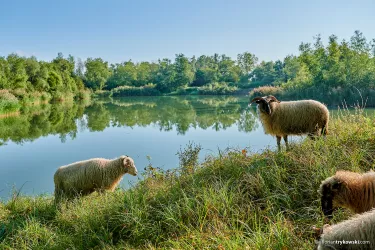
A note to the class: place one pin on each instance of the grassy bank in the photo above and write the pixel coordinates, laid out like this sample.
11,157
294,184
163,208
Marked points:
150,90
235,200
12,101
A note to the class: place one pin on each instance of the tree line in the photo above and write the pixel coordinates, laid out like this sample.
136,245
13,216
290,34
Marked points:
338,64
338,70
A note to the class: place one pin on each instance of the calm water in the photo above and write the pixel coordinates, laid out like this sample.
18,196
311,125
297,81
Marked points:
150,130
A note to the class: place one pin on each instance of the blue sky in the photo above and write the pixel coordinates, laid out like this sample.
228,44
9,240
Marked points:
147,30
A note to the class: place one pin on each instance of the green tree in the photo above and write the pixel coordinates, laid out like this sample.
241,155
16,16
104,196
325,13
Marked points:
184,74
144,72
246,61
97,73
17,73
165,76
228,70
124,74
4,73
54,81
264,73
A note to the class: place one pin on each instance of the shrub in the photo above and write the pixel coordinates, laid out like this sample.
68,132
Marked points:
185,91
217,89
58,96
148,90
266,90
83,94
8,102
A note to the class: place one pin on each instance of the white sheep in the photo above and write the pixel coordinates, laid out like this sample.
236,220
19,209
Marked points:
292,118
85,177
357,233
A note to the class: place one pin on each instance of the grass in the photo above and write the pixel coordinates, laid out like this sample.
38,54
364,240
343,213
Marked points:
217,89
148,90
235,200
8,102
12,101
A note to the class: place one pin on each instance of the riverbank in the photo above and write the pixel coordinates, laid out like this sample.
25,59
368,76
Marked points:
350,96
12,102
237,200
150,90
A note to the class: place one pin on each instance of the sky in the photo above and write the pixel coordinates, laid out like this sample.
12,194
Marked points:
140,30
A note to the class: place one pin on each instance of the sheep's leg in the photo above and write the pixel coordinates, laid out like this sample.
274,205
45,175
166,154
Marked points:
311,136
324,130
278,139
286,142
58,195
100,191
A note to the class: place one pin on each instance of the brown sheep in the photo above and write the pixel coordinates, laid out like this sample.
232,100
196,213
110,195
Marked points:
85,177
292,118
348,189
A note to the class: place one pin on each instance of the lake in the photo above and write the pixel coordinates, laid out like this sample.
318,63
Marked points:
151,130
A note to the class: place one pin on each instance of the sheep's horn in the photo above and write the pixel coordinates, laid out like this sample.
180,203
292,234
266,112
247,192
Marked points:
267,107
256,99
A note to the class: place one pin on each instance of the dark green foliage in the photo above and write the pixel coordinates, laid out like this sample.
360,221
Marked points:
33,81
331,73
97,73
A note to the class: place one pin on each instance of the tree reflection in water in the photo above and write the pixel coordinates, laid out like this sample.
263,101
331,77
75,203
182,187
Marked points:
166,113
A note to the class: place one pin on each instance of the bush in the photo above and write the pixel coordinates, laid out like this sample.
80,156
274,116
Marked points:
185,91
8,102
103,93
83,94
266,90
217,89
58,96
148,90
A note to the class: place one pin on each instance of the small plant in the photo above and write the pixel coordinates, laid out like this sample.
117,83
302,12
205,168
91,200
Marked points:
189,157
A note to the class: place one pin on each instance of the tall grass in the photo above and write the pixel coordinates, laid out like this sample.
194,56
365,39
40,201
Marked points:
330,96
217,89
235,200
8,102
83,94
148,90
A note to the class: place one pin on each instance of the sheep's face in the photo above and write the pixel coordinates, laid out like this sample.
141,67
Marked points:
264,103
130,166
329,195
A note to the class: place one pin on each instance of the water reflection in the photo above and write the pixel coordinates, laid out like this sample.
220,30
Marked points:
166,113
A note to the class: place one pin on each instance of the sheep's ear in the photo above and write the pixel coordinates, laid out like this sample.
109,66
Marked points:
126,161
271,98
336,185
